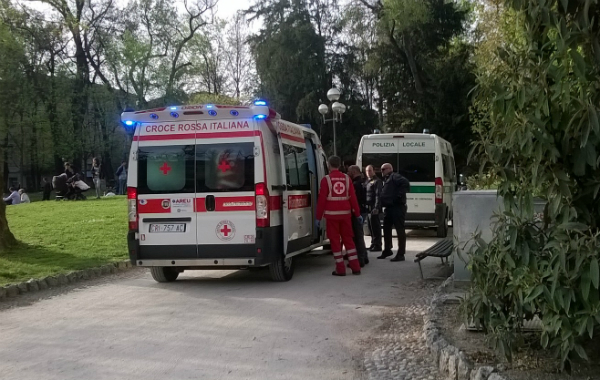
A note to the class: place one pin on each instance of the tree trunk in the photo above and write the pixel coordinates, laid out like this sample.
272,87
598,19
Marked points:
7,239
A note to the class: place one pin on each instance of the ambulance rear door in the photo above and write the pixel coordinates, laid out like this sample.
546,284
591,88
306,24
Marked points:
166,192
297,200
226,163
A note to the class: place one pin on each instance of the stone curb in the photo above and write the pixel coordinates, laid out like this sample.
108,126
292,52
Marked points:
452,362
34,285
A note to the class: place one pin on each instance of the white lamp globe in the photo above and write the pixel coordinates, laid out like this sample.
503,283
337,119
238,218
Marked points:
333,94
338,107
323,109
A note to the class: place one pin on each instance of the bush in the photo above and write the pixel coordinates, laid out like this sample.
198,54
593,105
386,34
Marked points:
540,136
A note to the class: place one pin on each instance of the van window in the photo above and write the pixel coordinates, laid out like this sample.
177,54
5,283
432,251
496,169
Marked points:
296,167
225,167
378,159
417,167
166,169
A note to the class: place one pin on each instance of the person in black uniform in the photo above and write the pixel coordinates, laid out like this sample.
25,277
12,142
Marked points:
357,228
393,201
373,189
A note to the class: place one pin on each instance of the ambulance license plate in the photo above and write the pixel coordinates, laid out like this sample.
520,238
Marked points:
171,227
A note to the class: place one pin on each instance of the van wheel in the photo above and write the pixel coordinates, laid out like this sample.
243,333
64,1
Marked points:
282,269
164,274
442,231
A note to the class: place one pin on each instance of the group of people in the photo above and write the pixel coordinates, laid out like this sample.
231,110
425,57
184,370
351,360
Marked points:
346,207
16,196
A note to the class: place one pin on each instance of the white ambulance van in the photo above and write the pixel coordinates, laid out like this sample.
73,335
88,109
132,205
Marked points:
427,161
221,187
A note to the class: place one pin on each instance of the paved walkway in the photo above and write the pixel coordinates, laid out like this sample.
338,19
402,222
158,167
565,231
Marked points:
227,325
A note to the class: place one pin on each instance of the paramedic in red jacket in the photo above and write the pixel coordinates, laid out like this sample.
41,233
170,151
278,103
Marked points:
337,203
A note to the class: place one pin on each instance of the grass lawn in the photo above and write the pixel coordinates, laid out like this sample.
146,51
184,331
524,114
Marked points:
58,237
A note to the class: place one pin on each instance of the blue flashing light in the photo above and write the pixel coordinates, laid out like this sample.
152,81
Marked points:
129,123
212,113
154,116
174,114
234,113
260,103
173,108
260,117
209,106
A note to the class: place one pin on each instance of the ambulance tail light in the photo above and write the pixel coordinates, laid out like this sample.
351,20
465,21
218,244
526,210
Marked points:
132,208
439,190
262,205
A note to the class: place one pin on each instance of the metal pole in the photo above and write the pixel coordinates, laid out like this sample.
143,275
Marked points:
334,141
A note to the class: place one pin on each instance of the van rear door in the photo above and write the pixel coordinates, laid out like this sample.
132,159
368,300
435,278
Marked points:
416,162
225,198
166,192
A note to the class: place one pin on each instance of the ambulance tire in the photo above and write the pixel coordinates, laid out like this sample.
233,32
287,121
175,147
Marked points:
164,274
282,269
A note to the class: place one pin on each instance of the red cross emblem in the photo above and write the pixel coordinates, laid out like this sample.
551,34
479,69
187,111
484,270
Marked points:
224,166
225,230
339,188
165,169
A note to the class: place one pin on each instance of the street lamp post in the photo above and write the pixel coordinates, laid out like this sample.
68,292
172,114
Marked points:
338,109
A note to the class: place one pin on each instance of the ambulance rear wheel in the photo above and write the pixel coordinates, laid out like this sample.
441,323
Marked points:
282,269
164,274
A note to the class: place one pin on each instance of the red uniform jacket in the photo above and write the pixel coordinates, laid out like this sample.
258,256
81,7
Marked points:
337,199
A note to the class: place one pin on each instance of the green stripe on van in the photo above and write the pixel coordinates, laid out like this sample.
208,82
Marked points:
422,189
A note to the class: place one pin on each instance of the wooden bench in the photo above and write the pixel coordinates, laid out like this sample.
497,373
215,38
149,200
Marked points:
441,249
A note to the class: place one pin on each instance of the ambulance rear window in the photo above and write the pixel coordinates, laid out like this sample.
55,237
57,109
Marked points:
166,169
225,167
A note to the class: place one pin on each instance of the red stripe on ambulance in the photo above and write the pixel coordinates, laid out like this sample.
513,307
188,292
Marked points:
275,202
298,201
234,204
154,206
199,135
292,138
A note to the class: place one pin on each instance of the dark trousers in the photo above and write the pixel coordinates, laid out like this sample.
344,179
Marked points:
359,240
375,228
46,196
394,217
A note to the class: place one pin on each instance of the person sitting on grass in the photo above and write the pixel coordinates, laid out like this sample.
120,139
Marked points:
14,198
24,196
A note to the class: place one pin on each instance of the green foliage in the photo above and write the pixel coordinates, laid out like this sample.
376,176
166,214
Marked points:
425,65
540,136
58,237
482,181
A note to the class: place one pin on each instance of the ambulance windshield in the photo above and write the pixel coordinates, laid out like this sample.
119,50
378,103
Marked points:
201,168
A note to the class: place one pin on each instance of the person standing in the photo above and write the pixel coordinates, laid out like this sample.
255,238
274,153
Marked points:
96,176
393,201
357,228
69,170
14,198
373,189
122,178
47,189
337,203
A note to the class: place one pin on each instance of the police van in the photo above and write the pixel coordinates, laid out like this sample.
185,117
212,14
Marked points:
427,161
221,187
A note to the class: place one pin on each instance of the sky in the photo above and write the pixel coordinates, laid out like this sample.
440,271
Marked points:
226,8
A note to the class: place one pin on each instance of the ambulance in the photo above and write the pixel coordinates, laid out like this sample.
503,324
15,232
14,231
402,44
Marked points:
427,161
221,187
